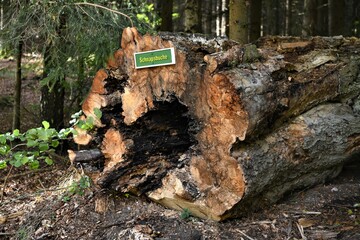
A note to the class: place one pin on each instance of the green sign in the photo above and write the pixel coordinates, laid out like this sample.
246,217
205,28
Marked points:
155,58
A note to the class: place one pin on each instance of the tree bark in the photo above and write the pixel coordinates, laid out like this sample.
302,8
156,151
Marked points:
192,23
322,18
238,22
17,97
209,18
255,20
166,10
336,17
349,14
52,98
309,19
229,127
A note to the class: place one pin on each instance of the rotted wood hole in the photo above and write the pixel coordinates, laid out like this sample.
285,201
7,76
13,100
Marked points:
154,144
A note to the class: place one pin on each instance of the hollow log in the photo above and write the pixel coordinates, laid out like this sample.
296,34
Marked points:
228,127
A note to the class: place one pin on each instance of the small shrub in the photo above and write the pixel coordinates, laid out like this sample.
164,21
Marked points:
185,214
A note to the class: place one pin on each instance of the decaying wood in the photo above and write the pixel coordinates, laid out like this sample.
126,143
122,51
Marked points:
85,155
228,128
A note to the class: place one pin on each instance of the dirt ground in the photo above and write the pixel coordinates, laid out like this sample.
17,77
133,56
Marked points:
33,208
32,204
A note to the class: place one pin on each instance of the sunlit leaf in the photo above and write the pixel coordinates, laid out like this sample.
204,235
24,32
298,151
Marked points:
45,124
2,139
55,143
3,164
43,147
24,160
49,161
34,164
31,143
16,163
4,149
16,132
18,155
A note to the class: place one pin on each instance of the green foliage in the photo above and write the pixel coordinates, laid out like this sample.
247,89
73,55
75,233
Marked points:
148,15
75,40
77,188
29,148
185,214
37,144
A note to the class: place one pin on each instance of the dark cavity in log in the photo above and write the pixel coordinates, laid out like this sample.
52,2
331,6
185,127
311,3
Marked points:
156,142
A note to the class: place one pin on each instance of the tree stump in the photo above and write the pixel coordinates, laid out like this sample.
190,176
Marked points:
229,127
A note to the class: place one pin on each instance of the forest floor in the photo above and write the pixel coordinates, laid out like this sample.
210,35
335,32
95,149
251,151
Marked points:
38,205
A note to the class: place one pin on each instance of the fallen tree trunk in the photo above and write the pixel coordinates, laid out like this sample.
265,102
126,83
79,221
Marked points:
228,127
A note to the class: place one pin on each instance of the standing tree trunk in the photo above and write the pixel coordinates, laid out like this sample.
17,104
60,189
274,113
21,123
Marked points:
288,17
255,20
53,97
219,17
200,17
52,104
227,15
309,19
349,17
214,17
209,16
178,23
17,97
322,18
229,127
166,10
273,18
238,21
336,17
192,23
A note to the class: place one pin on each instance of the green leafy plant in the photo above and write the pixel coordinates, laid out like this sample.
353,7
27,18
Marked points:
185,214
30,147
38,144
77,188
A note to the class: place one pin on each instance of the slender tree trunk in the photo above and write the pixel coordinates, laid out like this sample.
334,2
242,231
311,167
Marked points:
309,19
349,17
219,17
52,99
269,23
278,15
336,17
288,17
17,99
178,24
200,17
322,18
214,17
356,27
238,21
255,20
4,11
166,10
191,16
227,2
208,24
1,15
